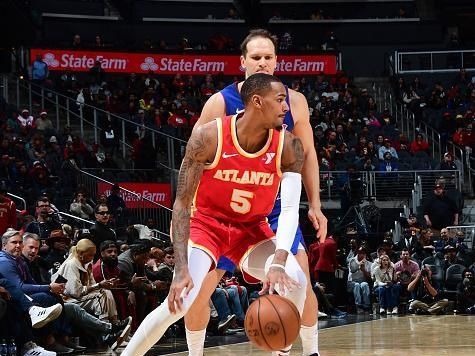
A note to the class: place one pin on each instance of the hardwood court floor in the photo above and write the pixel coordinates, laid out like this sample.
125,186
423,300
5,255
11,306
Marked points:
392,336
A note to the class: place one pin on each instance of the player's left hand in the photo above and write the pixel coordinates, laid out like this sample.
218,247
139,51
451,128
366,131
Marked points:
181,282
277,276
319,222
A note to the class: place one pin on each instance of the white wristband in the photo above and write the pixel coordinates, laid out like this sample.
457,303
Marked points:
276,265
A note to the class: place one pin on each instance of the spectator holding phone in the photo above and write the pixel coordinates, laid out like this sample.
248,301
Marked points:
81,287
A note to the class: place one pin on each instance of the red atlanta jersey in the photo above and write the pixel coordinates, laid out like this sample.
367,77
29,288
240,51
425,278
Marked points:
238,186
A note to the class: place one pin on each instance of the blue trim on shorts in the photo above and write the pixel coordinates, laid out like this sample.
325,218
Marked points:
226,264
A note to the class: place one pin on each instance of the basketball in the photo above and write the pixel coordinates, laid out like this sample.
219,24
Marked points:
272,322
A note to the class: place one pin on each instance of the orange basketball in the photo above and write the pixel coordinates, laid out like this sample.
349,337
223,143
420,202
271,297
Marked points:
272,322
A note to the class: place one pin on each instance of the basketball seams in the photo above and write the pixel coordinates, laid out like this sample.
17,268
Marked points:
260,326
280,319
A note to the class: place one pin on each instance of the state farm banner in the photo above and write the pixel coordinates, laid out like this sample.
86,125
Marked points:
122,62
156,192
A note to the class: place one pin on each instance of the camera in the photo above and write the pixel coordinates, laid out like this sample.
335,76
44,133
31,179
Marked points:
424,273
355,188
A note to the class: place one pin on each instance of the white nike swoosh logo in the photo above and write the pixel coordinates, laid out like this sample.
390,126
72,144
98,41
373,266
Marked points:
225,155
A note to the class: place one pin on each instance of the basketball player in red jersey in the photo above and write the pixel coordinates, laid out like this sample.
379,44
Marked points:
227,185
259,56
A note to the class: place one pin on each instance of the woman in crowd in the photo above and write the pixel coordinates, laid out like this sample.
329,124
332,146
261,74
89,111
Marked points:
386,286
81,288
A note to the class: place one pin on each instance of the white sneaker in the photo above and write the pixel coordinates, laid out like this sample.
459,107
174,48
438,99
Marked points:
395,311
31,349
42,316
322,314
382,311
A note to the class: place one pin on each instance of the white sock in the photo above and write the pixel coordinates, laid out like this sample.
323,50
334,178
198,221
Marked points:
195,341
309,336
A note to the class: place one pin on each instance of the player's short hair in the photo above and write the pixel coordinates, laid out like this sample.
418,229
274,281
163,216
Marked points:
258,32
258,83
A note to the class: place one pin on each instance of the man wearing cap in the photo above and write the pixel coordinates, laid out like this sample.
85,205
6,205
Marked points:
386,147
447,163
439,210
7,210
25,119
43,123
107,267
451,258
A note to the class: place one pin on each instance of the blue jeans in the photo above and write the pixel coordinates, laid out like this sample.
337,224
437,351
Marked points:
388,296
360,293
235,302
221,303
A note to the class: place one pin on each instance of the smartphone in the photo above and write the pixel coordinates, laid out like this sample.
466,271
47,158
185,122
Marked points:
61,279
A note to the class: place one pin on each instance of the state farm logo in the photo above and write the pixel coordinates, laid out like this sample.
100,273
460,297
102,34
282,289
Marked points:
50,60
149,64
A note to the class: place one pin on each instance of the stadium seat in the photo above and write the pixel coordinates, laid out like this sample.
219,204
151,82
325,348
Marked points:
453,276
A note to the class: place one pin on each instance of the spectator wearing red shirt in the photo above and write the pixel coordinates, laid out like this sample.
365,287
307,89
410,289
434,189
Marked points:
419,144
7,210
327,263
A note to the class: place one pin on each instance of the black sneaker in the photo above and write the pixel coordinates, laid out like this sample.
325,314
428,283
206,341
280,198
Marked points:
226,323
114,340
120,325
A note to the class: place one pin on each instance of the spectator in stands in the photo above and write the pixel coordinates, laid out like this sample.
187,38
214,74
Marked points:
409,240
447,163
425,246
39,70
76,44
410,222
98,43
466,293
15,324
112,334
358,278
442,242
44,124
386,286
386,147
327,263
25,121
100,231
389,163
80,207
132,270
428,298
46,219
406,269
107,268
450,258
59,244
411,98
37,265
81,288
8,217
116,205
419,144
439,210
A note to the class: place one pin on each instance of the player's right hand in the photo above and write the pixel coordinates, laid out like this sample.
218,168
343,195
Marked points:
278,277
181,284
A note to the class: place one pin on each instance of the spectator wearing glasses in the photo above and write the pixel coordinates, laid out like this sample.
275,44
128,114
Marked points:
46,219
100,231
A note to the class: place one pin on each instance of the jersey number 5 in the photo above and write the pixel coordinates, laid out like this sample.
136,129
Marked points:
240,201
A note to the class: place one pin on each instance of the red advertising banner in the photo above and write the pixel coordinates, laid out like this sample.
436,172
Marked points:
122,62
156,192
